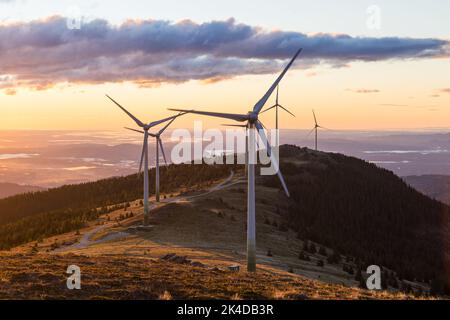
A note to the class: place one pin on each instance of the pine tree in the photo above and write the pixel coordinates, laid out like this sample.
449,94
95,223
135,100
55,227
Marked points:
306,246
322,251
334,258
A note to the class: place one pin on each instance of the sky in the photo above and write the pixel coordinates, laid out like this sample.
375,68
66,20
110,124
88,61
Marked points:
365,64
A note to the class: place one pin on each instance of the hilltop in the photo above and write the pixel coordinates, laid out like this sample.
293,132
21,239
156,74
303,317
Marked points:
11,189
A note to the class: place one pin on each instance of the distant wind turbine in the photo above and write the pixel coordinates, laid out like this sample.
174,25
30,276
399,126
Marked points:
252,122
316,127
144,155
159,146
276,106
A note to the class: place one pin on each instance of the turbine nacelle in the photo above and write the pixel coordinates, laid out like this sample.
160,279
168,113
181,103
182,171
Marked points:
252,117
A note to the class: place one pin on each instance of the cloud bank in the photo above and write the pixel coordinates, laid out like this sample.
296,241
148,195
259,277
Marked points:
43,53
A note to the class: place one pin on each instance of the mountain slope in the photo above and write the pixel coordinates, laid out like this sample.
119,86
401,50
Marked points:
367,212
434,186
346,204
11,189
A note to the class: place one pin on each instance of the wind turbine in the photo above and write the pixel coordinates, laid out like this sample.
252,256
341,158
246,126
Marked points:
252,122
316,127
276,106
144,155
159,146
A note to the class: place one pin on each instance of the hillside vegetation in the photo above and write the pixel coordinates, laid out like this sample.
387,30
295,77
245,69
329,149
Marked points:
34,216
364,211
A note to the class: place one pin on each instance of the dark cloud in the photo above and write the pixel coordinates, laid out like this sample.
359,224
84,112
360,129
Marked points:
40,54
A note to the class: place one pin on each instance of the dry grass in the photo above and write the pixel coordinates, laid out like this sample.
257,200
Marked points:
42,276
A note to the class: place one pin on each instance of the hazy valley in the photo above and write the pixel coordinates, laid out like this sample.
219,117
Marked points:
88,156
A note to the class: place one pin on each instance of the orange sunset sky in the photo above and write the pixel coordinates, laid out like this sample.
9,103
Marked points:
382,86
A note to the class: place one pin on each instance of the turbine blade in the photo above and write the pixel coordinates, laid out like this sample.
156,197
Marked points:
310,132
315,119
170,122
143,152
260,127
232,116
260,104
274,106
140,131
138,122
287,110
262,134
155,123
162,151
278,90
235,125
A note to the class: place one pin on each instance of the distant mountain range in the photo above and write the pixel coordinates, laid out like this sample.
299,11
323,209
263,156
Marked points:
434,186
56,158
11,189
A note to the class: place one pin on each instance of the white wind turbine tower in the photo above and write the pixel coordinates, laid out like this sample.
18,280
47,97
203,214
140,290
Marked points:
159,146
276,106
144,156
252,122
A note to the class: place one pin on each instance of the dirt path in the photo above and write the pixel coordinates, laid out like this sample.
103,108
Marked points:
86,240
